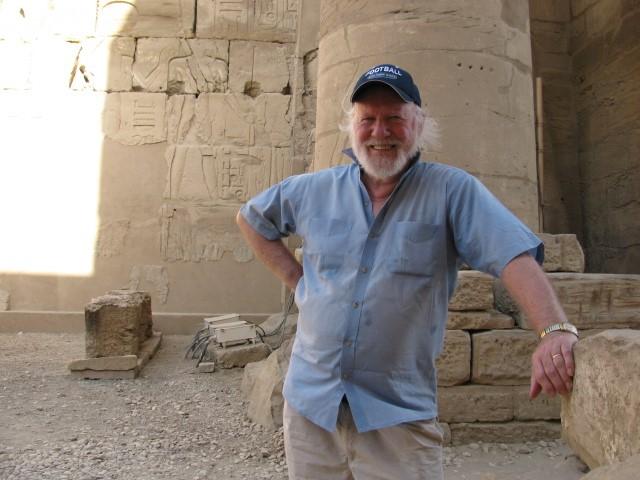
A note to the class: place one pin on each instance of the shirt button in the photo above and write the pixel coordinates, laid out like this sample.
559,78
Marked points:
345,376
355,304
348,343
364,269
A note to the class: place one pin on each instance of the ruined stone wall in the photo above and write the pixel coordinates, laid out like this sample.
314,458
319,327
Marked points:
472,63
132,133
605,45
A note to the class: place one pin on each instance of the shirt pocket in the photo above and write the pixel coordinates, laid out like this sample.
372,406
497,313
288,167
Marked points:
415,249
326,242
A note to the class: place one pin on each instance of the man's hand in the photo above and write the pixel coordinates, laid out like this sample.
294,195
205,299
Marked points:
552,366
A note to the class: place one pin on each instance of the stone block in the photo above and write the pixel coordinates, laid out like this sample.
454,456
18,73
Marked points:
550,10
542,407
206,367
589,300
502,357
209,64
4,300
240,355
474,291
274,21
114,323
601,416
507,432
482,320
258,67
446,433
104,64
146,18
262,387
475,403
562,253
148,349
454,363
133,118
626,470
122,362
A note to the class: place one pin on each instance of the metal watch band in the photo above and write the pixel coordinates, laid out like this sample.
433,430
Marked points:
564,327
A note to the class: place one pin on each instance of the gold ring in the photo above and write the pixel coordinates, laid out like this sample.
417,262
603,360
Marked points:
553,357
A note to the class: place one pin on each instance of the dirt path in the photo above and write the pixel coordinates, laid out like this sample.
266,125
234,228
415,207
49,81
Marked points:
174,424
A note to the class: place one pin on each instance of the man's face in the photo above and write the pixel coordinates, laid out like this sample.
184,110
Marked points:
384,132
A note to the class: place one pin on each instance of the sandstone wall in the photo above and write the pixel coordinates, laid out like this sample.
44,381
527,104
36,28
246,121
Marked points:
132,132
472,62
605,44
588,54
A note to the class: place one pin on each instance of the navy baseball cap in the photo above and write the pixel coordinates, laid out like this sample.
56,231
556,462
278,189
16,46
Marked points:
392,76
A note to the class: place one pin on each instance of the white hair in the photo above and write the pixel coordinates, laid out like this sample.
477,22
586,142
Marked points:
428,138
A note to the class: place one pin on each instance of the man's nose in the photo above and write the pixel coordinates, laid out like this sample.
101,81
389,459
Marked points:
380,129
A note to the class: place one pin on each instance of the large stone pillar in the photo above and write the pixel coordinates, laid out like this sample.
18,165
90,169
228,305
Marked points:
472,62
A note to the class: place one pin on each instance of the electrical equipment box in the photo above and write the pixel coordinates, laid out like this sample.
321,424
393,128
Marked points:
230,330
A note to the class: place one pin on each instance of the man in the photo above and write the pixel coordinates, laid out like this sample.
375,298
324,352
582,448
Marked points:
383,238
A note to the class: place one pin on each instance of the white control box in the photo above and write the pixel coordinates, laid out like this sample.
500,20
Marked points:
230,330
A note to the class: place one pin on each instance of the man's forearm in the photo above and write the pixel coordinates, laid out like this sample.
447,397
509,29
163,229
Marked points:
530,288
273,253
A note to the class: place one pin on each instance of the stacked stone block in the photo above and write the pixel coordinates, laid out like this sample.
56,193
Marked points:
485,367
119,336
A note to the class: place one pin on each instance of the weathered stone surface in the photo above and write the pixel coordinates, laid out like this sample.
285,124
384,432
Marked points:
153,278
111,237
474,291
4,300
551,10
133,118
258,67
446,433
542,407
117,323
262,387
481,403
502,357
195,234
181,66
206,367
105,374
507,432
626,470
454,363
475,403
146,18
589,300
123,362
240,355
274,21
105,64
148,349
272,323
562,253
600,419
69,19
483,320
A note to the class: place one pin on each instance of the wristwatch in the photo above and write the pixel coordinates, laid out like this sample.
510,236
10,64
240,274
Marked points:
563,327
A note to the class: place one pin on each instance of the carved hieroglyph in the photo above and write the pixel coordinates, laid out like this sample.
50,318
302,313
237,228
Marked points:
230,119
258,67
134,118
228,175
267,20
181,66
105,64
111,238
146,18
195,233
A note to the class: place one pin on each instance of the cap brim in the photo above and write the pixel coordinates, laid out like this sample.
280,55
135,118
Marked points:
400,93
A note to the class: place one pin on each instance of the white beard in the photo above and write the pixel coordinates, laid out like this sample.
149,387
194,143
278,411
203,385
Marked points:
384,168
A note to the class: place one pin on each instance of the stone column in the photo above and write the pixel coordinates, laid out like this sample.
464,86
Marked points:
472,62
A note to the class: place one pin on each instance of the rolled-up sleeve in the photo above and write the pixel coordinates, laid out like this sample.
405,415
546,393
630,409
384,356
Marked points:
272,213
486,234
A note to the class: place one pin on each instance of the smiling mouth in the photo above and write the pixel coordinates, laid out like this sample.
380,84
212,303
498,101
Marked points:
382,147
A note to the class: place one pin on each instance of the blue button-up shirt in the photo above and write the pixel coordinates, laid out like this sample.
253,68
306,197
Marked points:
374,294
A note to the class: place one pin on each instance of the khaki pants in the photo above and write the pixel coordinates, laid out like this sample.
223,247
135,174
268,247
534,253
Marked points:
407,451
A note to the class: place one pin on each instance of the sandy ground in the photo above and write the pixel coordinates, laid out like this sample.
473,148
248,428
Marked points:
173,423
